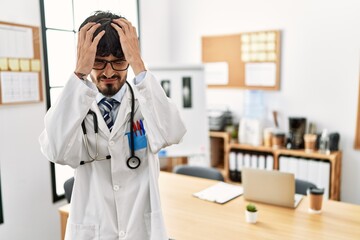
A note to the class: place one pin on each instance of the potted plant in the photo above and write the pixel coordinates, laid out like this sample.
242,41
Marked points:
251,213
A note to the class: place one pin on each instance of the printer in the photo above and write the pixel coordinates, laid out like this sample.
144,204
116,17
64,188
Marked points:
219,119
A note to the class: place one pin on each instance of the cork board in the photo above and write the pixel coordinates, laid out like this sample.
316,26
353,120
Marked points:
251,57
20,64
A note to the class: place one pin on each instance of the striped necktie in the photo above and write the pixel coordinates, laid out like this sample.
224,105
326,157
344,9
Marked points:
106,105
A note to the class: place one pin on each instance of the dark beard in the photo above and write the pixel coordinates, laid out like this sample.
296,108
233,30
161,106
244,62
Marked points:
109,90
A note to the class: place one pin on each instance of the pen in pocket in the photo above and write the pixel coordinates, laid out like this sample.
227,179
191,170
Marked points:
139,128
142,126
135,129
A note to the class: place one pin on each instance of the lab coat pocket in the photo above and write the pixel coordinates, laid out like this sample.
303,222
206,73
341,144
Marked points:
85,232
140,141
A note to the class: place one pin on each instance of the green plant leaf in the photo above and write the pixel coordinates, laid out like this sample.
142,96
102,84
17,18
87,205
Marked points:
251,207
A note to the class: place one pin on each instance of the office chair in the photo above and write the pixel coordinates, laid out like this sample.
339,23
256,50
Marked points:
68,187
302,186
197,171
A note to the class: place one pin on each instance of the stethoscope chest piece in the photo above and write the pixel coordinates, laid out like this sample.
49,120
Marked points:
133,162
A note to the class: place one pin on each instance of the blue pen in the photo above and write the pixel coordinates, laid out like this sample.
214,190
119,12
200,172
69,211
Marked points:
142,126
138,127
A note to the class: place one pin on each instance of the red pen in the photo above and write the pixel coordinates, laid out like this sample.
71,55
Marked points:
135,128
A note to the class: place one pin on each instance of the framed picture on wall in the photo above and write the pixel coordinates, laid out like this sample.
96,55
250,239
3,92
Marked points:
166,85
186,91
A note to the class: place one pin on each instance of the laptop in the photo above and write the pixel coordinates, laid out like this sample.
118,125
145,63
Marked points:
271,187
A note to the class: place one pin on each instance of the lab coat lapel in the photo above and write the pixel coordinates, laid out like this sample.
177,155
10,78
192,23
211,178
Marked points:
101,122
123,115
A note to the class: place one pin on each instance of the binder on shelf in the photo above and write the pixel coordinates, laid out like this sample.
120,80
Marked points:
269,162
324,177
292,164
247,160
313,172
239,165
303,169
254,160
283,164
232,166
261,161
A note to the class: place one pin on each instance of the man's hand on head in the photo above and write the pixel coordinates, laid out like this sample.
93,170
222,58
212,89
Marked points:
129,43
86,48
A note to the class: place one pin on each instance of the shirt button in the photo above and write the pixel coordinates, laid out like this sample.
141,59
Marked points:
111,143
116,187
121,234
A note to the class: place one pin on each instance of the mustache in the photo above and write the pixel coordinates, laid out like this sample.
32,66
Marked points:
102,77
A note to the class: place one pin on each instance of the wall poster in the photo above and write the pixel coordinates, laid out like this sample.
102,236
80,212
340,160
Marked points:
166,85
187,92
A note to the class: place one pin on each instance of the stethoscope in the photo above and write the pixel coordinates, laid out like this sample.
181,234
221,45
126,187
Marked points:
133,161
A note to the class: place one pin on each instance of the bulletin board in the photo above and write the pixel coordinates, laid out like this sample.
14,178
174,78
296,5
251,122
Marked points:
252,58
20,64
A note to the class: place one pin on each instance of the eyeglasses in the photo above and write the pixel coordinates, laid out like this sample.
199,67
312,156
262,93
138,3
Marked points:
117,65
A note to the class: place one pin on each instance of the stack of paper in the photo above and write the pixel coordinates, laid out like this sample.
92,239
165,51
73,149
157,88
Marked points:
220,192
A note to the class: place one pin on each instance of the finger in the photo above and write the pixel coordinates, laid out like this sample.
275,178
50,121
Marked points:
83,30
90,33
123,23
97,38
124,20
118,29
82,35
134,31
87,26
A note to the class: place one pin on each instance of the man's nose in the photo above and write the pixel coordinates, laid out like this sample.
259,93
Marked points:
108,71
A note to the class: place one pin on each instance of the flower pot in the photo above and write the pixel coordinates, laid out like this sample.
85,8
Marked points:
251,217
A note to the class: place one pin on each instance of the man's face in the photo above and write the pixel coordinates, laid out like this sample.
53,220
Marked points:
108,80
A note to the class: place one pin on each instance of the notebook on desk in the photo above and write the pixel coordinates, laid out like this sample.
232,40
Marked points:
272,187
220,193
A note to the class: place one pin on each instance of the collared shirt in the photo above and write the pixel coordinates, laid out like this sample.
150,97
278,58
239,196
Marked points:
119,95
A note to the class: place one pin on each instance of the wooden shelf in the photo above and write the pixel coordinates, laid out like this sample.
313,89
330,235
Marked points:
250,147
224,146
334,158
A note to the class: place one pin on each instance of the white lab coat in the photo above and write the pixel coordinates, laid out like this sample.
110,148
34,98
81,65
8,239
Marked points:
109,200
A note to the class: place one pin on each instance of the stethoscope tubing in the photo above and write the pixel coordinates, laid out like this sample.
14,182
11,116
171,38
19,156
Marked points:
133,161
132,120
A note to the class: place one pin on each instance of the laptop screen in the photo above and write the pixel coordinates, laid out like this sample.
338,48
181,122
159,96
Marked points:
271,187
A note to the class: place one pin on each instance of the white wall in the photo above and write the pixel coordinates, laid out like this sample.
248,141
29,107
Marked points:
320,58
25,174
155,31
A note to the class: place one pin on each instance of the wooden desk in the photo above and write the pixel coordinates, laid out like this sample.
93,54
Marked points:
189,218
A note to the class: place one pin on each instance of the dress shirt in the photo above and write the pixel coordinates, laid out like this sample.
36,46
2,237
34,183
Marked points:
120,94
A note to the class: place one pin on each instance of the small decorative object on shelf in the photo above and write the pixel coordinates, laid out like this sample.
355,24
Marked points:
324,147
251,213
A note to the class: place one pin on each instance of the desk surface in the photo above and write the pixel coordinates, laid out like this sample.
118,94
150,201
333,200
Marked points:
190,218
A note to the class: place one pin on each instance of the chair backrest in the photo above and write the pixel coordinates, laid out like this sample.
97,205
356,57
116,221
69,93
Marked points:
68,188
302,186
197,171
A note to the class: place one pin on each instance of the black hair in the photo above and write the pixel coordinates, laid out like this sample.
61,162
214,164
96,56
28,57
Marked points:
109,43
